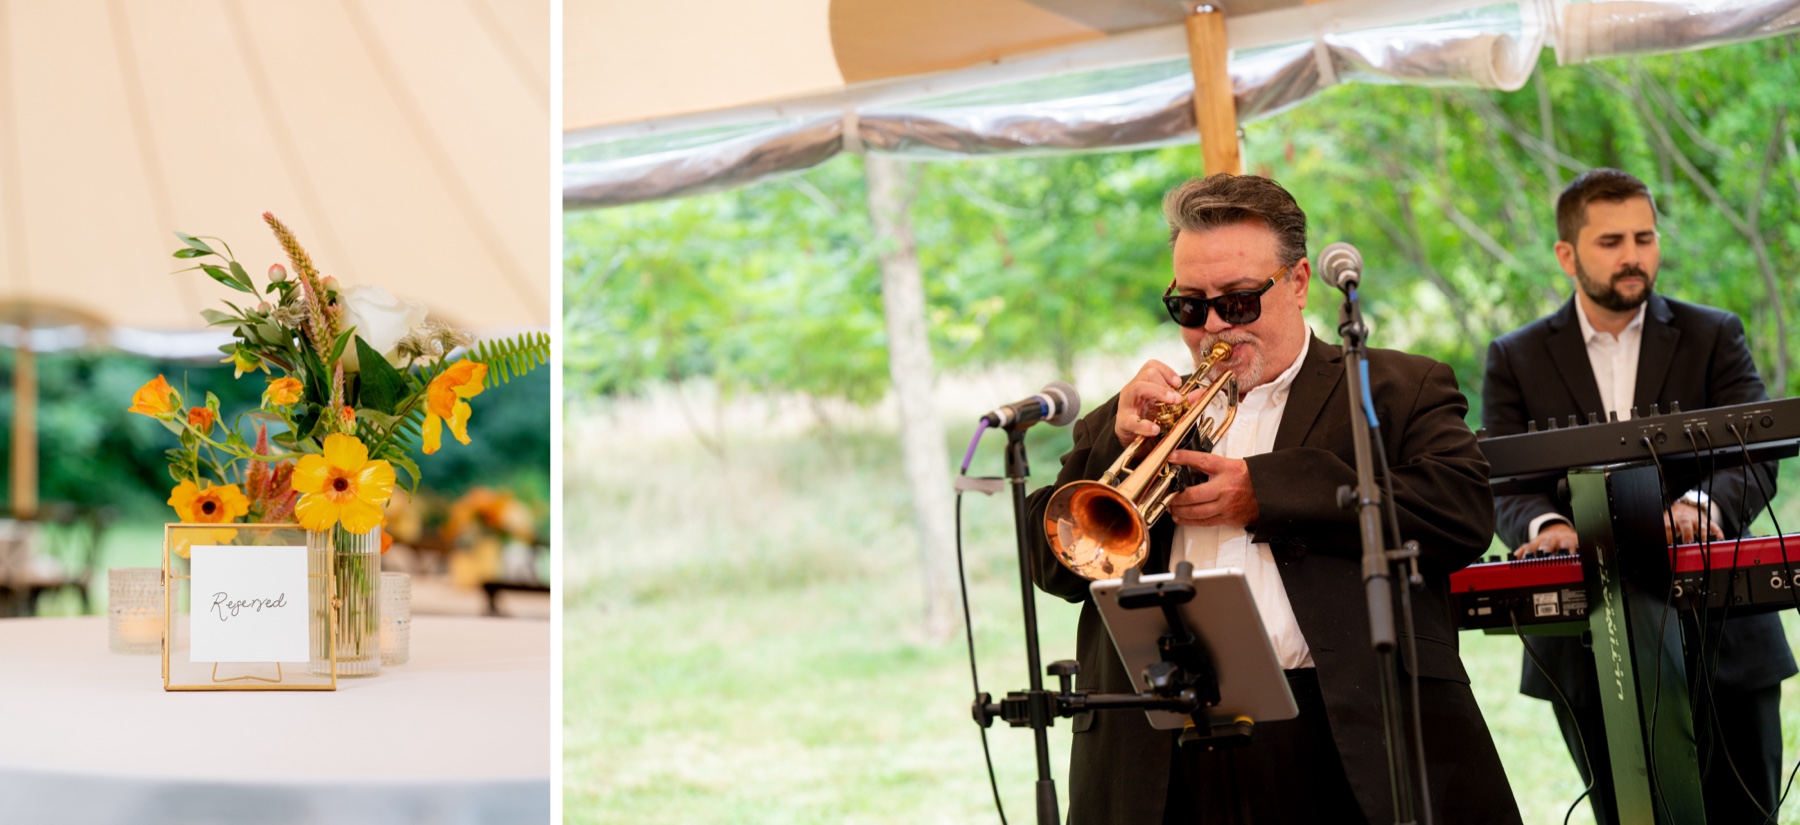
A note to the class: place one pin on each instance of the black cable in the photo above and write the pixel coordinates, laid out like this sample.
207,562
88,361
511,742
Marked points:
962,581
1406,620
1787,568
1580,741
1701,702
1662,630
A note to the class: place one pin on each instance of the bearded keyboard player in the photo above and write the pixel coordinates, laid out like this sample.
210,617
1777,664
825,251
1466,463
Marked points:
1614,346
1270,508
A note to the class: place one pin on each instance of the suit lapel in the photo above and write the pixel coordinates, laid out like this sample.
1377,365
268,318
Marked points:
1319,376
1655,353
1569,353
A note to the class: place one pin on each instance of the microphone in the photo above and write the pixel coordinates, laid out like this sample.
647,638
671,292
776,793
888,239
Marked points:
1340,266
1056,403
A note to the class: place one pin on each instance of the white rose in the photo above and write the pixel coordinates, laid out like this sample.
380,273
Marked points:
380,319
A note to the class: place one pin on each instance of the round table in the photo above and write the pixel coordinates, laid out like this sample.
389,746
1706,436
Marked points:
459,735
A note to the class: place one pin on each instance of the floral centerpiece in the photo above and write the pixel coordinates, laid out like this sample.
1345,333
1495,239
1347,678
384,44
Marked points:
357,381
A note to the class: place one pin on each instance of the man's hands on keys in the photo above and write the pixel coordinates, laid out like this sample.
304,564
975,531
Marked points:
1156,383
1681,523
1555,539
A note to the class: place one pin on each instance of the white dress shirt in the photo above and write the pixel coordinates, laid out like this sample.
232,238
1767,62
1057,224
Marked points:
1614,360
1253,432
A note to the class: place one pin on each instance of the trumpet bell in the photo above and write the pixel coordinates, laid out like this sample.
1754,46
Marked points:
1095,531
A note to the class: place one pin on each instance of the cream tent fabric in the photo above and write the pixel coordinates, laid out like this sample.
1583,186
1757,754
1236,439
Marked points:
405,142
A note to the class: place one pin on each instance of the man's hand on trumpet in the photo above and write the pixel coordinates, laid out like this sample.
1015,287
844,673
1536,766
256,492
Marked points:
1224,499
1155,384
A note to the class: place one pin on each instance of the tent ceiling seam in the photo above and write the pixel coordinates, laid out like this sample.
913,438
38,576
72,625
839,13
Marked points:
132,81
440,161
11,198
536,86
269,104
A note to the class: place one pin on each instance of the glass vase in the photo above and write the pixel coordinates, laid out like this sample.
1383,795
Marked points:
356,569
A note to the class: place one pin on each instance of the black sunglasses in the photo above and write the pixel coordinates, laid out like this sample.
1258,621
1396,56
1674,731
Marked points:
1234,308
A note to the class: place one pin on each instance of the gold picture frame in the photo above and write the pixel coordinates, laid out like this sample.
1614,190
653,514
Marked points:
181,673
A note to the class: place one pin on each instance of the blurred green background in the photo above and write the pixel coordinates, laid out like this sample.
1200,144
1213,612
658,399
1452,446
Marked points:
95,456
745,634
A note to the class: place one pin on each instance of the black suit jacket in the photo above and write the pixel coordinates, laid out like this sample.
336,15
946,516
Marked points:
1692,355
1120,765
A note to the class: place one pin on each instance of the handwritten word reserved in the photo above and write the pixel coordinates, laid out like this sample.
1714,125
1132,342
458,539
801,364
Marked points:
228,608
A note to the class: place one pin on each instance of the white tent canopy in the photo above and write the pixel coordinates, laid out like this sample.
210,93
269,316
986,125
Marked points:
402,140
663,103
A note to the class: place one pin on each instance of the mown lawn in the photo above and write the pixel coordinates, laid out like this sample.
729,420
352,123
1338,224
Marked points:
743,638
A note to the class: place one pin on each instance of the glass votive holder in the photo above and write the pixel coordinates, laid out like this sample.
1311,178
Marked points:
396,618
134,609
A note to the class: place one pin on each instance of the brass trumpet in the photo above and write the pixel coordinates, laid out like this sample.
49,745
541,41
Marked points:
1100,529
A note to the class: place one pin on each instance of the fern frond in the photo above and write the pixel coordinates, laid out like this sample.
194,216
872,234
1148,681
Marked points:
512,357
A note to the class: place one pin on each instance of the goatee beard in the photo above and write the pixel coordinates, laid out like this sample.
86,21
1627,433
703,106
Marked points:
1607,295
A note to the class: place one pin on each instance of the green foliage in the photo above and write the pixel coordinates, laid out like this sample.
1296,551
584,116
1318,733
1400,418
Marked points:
511,357
92,452
1449,193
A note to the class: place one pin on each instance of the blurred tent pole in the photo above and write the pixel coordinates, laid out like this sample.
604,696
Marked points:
1215,109
892,184
23,490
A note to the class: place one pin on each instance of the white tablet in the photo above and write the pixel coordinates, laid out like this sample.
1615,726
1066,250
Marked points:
1223,614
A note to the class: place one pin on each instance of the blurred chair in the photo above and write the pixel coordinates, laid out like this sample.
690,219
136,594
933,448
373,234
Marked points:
57,550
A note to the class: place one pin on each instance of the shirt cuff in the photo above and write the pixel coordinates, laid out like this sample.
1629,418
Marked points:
1537,524
1700,499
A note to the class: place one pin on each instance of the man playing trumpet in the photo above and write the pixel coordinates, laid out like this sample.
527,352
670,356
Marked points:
1269,507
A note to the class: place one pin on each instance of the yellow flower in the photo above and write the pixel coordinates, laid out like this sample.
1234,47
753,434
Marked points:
183,541
155,399
243,361
443,401
202,418
342,486
282,392
217,504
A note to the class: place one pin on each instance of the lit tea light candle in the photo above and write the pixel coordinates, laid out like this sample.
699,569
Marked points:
135,609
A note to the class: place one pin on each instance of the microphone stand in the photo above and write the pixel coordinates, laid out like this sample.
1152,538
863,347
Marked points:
1041,705
1376,557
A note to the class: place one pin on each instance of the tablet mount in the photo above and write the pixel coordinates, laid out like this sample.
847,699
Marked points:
1184,680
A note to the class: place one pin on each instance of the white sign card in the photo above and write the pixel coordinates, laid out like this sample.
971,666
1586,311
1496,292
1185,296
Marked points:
249,604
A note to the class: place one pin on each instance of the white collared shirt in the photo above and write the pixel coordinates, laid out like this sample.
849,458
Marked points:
1614,360
1253,432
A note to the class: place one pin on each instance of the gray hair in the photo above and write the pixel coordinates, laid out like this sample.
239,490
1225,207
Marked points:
1223,199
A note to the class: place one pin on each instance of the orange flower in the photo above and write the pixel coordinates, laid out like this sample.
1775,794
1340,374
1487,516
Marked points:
348,416
202,418
444,402
282,392
342,486
217,504
155,399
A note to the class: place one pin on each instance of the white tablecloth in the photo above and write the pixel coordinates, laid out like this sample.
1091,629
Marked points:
460,735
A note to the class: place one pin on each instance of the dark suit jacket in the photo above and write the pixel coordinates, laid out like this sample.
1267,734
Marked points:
1120,765
1692,355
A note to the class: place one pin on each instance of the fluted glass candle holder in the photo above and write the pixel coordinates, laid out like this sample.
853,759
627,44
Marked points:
134,609
396,618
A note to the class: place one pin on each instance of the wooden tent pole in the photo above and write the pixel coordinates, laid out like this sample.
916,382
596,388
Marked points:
1215,109
24,433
